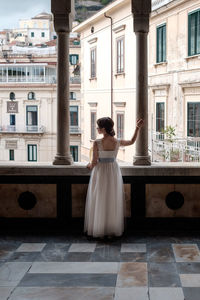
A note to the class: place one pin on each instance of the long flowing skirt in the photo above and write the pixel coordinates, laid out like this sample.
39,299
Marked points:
104,211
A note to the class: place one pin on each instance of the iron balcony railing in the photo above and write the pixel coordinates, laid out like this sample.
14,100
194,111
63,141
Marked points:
75,130
75,80
22,129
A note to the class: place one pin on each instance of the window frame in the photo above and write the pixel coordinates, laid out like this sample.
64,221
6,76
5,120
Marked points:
93,133
29,146
12,97
196,52
11,154
188,120
120,130
77,115
156,119
93,73
73,147
120,69
32,97
32,34
163,45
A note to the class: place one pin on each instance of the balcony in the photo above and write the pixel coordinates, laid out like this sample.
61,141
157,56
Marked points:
75,130
75,80
22,129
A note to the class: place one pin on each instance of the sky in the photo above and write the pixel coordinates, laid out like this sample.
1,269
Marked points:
13,10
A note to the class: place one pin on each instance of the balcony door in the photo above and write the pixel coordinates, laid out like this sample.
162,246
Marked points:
32,118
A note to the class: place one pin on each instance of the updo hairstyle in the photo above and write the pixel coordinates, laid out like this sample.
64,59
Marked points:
108,124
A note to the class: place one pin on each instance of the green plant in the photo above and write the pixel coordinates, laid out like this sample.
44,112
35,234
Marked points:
170,133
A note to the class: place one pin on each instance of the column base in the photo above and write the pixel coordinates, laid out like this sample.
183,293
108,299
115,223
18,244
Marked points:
142,160
63,160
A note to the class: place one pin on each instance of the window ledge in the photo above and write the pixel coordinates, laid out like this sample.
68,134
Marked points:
192,57
120,74
92,78
162,63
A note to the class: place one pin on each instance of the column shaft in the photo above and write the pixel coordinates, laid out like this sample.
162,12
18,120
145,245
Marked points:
63,155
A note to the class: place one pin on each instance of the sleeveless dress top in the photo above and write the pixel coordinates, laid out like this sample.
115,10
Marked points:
104,210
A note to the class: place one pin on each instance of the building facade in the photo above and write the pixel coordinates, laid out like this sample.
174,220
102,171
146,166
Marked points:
28,105
108,74
109,63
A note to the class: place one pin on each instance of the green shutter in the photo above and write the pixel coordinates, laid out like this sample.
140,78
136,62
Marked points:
194,33
161,44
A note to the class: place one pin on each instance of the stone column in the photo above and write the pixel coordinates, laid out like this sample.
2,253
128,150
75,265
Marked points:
141,10
63,14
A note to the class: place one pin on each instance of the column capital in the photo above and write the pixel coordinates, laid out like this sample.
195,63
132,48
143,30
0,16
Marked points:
141,10
63,12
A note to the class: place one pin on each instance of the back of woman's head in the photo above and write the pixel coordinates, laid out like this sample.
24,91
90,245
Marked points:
108,124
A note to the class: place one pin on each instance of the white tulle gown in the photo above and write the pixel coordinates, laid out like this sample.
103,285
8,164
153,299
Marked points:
104,211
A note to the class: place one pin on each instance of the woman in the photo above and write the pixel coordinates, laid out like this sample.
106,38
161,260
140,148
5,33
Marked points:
104,212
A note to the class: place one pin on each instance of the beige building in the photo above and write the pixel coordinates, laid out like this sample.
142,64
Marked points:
108,79
28,105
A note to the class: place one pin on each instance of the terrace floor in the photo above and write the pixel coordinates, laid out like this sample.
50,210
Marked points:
73,267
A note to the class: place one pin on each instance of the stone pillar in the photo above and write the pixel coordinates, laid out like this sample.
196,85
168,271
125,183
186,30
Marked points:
141,10
63,13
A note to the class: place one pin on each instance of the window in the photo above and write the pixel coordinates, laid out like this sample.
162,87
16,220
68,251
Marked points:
12,120
74,152
93,63
194,33
42,34
11,154
193,119
120,126
32,152
31,96
161,44
32,34
160,116
31,118
73,58
73,115
120,55
72,96
93,125
12,96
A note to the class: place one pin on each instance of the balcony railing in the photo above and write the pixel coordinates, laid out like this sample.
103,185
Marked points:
75,80
75,130
176,149
22,129
28,79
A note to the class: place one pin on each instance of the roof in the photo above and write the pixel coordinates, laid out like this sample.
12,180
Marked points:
43,15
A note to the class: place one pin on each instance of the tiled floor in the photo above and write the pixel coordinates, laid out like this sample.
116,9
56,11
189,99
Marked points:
75,268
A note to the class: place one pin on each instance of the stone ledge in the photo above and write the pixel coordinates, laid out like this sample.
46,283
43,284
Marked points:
79,169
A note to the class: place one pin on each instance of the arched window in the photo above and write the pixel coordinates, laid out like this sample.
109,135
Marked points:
31,96
12,96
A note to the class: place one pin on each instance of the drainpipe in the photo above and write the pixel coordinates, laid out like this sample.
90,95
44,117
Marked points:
111,63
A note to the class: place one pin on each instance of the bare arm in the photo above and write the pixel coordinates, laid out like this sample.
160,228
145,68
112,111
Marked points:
95,157
139,124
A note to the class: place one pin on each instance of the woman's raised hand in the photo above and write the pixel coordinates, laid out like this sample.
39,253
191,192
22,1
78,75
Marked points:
139,123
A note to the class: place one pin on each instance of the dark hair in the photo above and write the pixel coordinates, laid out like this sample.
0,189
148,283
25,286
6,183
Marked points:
106,123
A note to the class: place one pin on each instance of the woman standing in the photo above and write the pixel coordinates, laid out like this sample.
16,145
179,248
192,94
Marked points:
104,212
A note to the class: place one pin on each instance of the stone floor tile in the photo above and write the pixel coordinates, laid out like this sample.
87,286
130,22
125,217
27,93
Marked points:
30,247
23,256
78,256
5,292
191,293
5,255
186,252
163,275
133,247
160,253
82,247
106,253
190,280
12,272
131,257
188,268
133,293
70,280
75,267
166,293
62,293
56,247
9,245
132,274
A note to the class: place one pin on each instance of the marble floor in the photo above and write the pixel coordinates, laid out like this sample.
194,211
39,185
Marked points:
75,268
